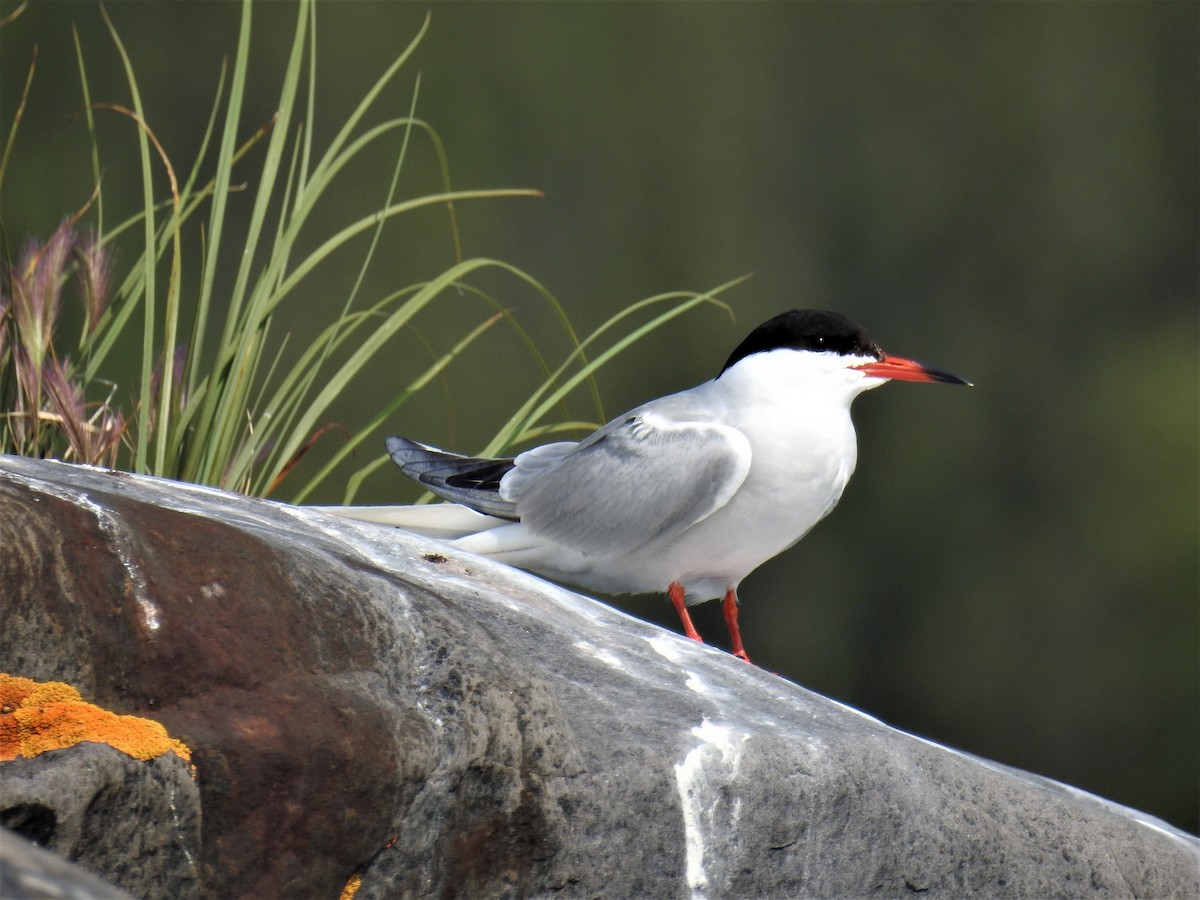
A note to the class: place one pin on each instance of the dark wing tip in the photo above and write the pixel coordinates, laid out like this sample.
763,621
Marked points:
403,451
471,481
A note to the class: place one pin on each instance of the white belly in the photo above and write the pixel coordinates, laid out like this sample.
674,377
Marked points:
792,485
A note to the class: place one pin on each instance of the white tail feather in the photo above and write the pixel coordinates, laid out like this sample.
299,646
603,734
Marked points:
445,521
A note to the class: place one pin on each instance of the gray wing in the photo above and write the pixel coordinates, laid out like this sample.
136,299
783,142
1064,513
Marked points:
640,480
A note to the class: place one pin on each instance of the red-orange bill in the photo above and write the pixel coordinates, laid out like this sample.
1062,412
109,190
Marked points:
900,369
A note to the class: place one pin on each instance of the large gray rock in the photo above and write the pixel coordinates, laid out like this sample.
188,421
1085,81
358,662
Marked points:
362,701
137,821
27,872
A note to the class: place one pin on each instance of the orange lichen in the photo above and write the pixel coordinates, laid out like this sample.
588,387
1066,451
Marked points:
36,717
351,887
48,692
14,690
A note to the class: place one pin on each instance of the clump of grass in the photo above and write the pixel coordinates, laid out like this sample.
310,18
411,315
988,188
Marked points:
212,404
45,391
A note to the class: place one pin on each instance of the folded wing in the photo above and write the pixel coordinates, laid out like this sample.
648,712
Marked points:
636,483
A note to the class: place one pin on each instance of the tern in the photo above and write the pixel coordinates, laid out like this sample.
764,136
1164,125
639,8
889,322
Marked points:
691,492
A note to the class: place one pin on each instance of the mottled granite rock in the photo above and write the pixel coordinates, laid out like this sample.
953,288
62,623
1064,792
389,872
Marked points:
362,701
136,821
27,872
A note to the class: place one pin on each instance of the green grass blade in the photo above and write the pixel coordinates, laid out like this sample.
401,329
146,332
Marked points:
354,482
350,231
368,100
149,260
90,118
337,382
241,345
378,419
530,413
328,342
11,141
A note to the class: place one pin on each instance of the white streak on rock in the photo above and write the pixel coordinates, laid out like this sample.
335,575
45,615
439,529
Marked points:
119,542
117,539
702,778
666,647
608,658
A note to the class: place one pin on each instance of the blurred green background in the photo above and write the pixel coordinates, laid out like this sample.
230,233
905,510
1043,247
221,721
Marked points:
1008,190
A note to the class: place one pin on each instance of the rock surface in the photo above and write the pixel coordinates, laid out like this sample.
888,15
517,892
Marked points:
27,872
135,821
360,701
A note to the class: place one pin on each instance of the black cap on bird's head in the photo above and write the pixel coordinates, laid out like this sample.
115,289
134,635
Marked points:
807,329
825,331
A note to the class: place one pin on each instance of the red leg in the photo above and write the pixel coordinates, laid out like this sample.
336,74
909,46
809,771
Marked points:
730,607
675,592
